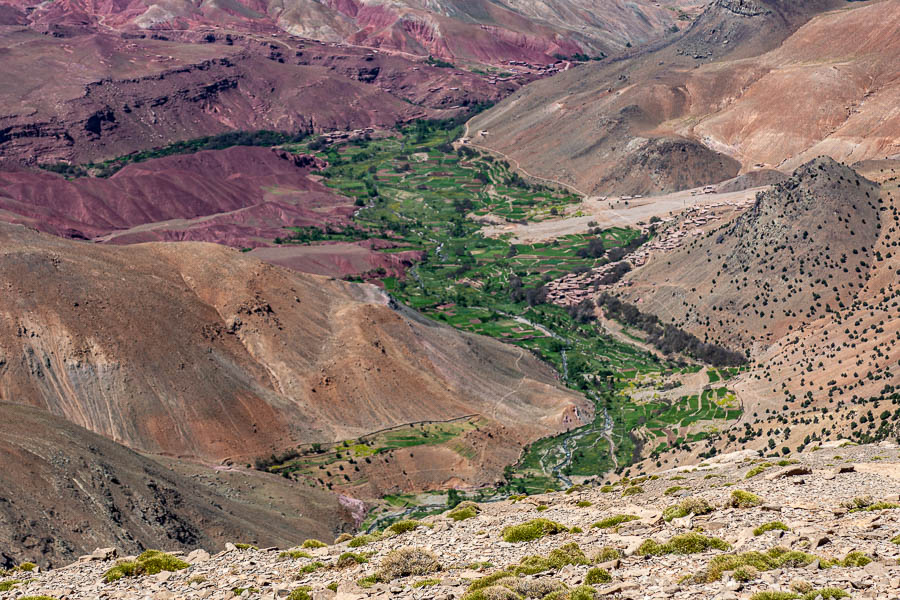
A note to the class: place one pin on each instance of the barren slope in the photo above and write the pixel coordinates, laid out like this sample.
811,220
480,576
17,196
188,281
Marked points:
129,93
195,349
482,31
67,491
765,83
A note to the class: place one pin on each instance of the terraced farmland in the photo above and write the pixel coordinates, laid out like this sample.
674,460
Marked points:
415,191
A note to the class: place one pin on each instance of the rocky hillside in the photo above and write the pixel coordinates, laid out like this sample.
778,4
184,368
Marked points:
199,350
67,490
806,244
724,85
820,524
136,92
488,32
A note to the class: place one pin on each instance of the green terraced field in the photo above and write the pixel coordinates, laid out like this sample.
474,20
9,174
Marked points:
416,191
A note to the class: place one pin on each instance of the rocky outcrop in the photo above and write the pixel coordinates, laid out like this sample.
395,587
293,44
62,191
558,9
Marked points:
795,536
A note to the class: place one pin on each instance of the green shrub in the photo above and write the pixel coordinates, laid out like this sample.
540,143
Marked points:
686,543
426,582
27,567
245,547
829,593
583,592
689,506
757,470
774,558
310,568
607,553
881,505
404,562
344,537
348,559
855,559
584,503
742,499
333,586
295,554
532,530
37,598
745,573
774,595
150,562
770,526
301,593
313,544
597,575
569,554
674,489
404,526
632,490
614,521
9,584
463,511
542,508
362,540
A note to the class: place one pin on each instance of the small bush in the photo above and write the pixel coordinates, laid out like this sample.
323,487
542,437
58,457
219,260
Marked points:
632,490
829,593
542,508
688,506
348,559
313,544
597,575
362,540
404,526
757,470
583,592
404,562
742,499
344,537
607,553
9,584
774,558
774,595
770,526
426,582
673,490
687,543
855,559
295,554
27,567
37,598
150,562
584,503
245,547
463,511
310,568
745,573
569,554
615,520
301,593
532,530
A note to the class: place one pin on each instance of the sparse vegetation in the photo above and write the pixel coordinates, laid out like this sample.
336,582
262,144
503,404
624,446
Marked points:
313,544
770,526
614,521
463,511
687,543
532,530
597,575
150,562
407,561
744,499
689,506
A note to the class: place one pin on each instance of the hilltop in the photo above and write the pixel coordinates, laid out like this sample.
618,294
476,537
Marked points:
730,94
821,523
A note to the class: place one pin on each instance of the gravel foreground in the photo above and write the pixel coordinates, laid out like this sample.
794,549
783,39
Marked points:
833,513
